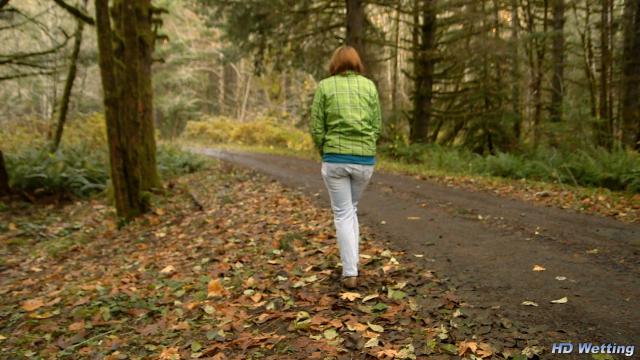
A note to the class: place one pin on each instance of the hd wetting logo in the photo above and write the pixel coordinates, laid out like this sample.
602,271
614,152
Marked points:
590,348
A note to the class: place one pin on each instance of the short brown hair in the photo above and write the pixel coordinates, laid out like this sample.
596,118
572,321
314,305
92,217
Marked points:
345,58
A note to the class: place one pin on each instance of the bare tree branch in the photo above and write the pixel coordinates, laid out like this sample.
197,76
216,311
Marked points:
75,12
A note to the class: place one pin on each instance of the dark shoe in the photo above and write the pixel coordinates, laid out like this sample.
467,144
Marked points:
350,282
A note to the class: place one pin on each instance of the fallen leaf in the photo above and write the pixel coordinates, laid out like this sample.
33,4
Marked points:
351,296
215,288
169,269
561,278
563,300
413,218
373,342
33,304
463,346
529,303
376,328
170,354
330,334
539,268
76,326
370,297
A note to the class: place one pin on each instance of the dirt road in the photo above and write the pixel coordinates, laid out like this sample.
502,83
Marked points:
487,247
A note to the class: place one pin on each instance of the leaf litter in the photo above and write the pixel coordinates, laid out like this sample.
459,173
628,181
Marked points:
254,275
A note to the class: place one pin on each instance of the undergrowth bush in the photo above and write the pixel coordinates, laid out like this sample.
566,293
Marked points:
261,132
81,166
617,170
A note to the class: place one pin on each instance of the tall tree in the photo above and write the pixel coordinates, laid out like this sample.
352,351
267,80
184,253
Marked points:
604,128
355,25
424,63
4,177
515,70
557,60
68,86
630,97
125,62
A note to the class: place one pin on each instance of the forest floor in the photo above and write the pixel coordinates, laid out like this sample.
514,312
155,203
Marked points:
230,265
497,252
234,265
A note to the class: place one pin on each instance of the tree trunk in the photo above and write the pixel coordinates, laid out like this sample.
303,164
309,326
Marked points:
68,87
557,58
355,25
630,97
515,71
603,128
424,57
394,81
126,87
143,37
4,177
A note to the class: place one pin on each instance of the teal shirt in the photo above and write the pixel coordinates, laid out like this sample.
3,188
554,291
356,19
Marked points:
345,115
349,159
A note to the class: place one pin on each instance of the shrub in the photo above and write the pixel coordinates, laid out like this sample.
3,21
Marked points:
261,132
74,170
617,170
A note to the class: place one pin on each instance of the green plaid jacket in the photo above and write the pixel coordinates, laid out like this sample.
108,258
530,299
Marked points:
345,115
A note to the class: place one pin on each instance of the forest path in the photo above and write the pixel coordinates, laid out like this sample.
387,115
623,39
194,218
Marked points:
487,246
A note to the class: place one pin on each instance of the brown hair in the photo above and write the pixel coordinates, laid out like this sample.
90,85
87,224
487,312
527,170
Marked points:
345,58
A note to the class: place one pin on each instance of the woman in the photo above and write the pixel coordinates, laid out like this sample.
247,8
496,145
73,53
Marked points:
345,125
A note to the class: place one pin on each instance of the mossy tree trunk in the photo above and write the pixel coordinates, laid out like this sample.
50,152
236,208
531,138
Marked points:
125,65
4,177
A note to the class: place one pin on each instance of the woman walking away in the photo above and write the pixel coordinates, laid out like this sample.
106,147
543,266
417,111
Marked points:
345,125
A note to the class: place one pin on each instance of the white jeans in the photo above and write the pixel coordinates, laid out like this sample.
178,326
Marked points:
345,184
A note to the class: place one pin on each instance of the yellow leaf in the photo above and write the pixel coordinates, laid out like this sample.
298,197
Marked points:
370,297
376,328
168,269
539,268
215,288
563,300
33,304
2,337
351,296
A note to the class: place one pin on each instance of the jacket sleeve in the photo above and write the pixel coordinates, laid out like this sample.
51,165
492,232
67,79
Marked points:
317,126
376,117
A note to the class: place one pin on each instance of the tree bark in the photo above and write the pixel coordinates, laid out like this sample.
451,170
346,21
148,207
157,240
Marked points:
630,94
424,57
126,85
68,87
144,39
355,26
4,177
557,81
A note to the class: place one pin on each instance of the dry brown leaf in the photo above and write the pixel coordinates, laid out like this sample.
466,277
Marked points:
170,354
76,326
463,346
33,304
